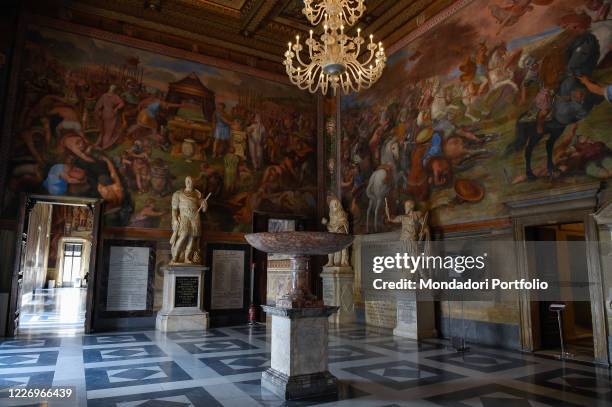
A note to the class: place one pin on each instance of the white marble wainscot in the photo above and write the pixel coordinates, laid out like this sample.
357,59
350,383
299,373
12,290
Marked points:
299,352
338,283
182,299
379,306
415,319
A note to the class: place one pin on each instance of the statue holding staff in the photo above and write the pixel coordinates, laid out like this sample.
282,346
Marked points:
186,228
414,228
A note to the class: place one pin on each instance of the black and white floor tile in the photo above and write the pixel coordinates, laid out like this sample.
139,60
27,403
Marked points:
590,383
222,367
115,339
133,375
402,375
238,364
403,345
211,333
29,343
194,396
486,362
27,359
120,353
497,395
222,345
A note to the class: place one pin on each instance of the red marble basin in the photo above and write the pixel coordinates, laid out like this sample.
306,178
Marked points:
299,243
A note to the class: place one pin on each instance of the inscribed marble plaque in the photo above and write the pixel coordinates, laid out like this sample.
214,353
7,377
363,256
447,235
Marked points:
227,279
128,278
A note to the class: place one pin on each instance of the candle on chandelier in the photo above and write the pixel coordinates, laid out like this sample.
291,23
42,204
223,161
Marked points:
371,38
310,34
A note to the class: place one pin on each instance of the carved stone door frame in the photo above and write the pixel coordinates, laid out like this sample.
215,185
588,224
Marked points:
578,204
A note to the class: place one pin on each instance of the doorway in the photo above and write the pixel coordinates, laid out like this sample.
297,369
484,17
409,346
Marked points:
560,255
52,282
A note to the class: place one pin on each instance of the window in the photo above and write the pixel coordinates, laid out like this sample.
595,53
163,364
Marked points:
71,268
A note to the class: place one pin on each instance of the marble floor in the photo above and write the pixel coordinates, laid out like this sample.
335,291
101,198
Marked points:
53,310
222,367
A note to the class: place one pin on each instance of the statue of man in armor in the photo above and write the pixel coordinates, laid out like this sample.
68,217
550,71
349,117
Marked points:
415,233
186,228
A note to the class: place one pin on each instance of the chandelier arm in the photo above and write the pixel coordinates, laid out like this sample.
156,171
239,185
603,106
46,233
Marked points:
315,78
299,59
367,61
356,74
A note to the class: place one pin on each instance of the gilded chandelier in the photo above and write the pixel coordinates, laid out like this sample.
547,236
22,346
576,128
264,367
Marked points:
334,60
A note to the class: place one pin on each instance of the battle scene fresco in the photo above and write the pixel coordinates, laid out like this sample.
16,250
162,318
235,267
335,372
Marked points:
503,99
98,119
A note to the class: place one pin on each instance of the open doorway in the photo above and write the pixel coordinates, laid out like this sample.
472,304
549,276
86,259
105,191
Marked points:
560,256
51,285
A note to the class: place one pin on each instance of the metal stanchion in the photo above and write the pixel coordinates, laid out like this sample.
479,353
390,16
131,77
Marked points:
558,308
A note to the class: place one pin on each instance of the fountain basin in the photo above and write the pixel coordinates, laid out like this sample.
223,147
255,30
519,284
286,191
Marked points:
299,243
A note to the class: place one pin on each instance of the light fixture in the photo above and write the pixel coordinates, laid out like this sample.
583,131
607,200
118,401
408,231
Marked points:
334,60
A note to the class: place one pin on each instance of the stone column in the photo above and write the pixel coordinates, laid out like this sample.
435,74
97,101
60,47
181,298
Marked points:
299,353
415,319
183,295
338,284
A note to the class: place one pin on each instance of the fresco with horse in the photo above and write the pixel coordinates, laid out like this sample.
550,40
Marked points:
502,99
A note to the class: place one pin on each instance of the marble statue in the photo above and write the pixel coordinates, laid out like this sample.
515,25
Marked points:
414,228
186,228
337,223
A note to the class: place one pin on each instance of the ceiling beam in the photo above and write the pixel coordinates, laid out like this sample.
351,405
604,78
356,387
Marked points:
256,12
204,34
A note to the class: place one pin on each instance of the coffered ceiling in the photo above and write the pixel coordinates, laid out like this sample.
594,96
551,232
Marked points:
253,32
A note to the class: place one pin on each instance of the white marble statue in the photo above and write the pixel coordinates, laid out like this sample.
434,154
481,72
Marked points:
186,228
414,228
337,223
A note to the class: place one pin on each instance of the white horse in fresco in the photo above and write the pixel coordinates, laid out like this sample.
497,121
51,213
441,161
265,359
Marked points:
382,180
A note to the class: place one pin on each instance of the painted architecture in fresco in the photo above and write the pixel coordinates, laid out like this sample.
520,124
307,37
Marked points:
502,99
100,119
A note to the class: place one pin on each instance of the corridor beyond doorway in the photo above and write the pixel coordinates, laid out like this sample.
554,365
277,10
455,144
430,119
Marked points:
55,269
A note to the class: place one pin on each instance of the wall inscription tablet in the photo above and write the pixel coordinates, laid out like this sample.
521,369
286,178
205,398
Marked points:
227,279
186,292
128,275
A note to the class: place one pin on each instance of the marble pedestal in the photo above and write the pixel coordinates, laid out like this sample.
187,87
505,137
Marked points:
415,319
183,294
299,353
338,284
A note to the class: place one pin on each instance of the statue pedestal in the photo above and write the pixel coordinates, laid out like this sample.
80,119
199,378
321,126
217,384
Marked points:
338,284
299,353
415,319
181,310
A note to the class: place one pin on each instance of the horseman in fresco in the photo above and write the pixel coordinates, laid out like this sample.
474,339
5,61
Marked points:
572,101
